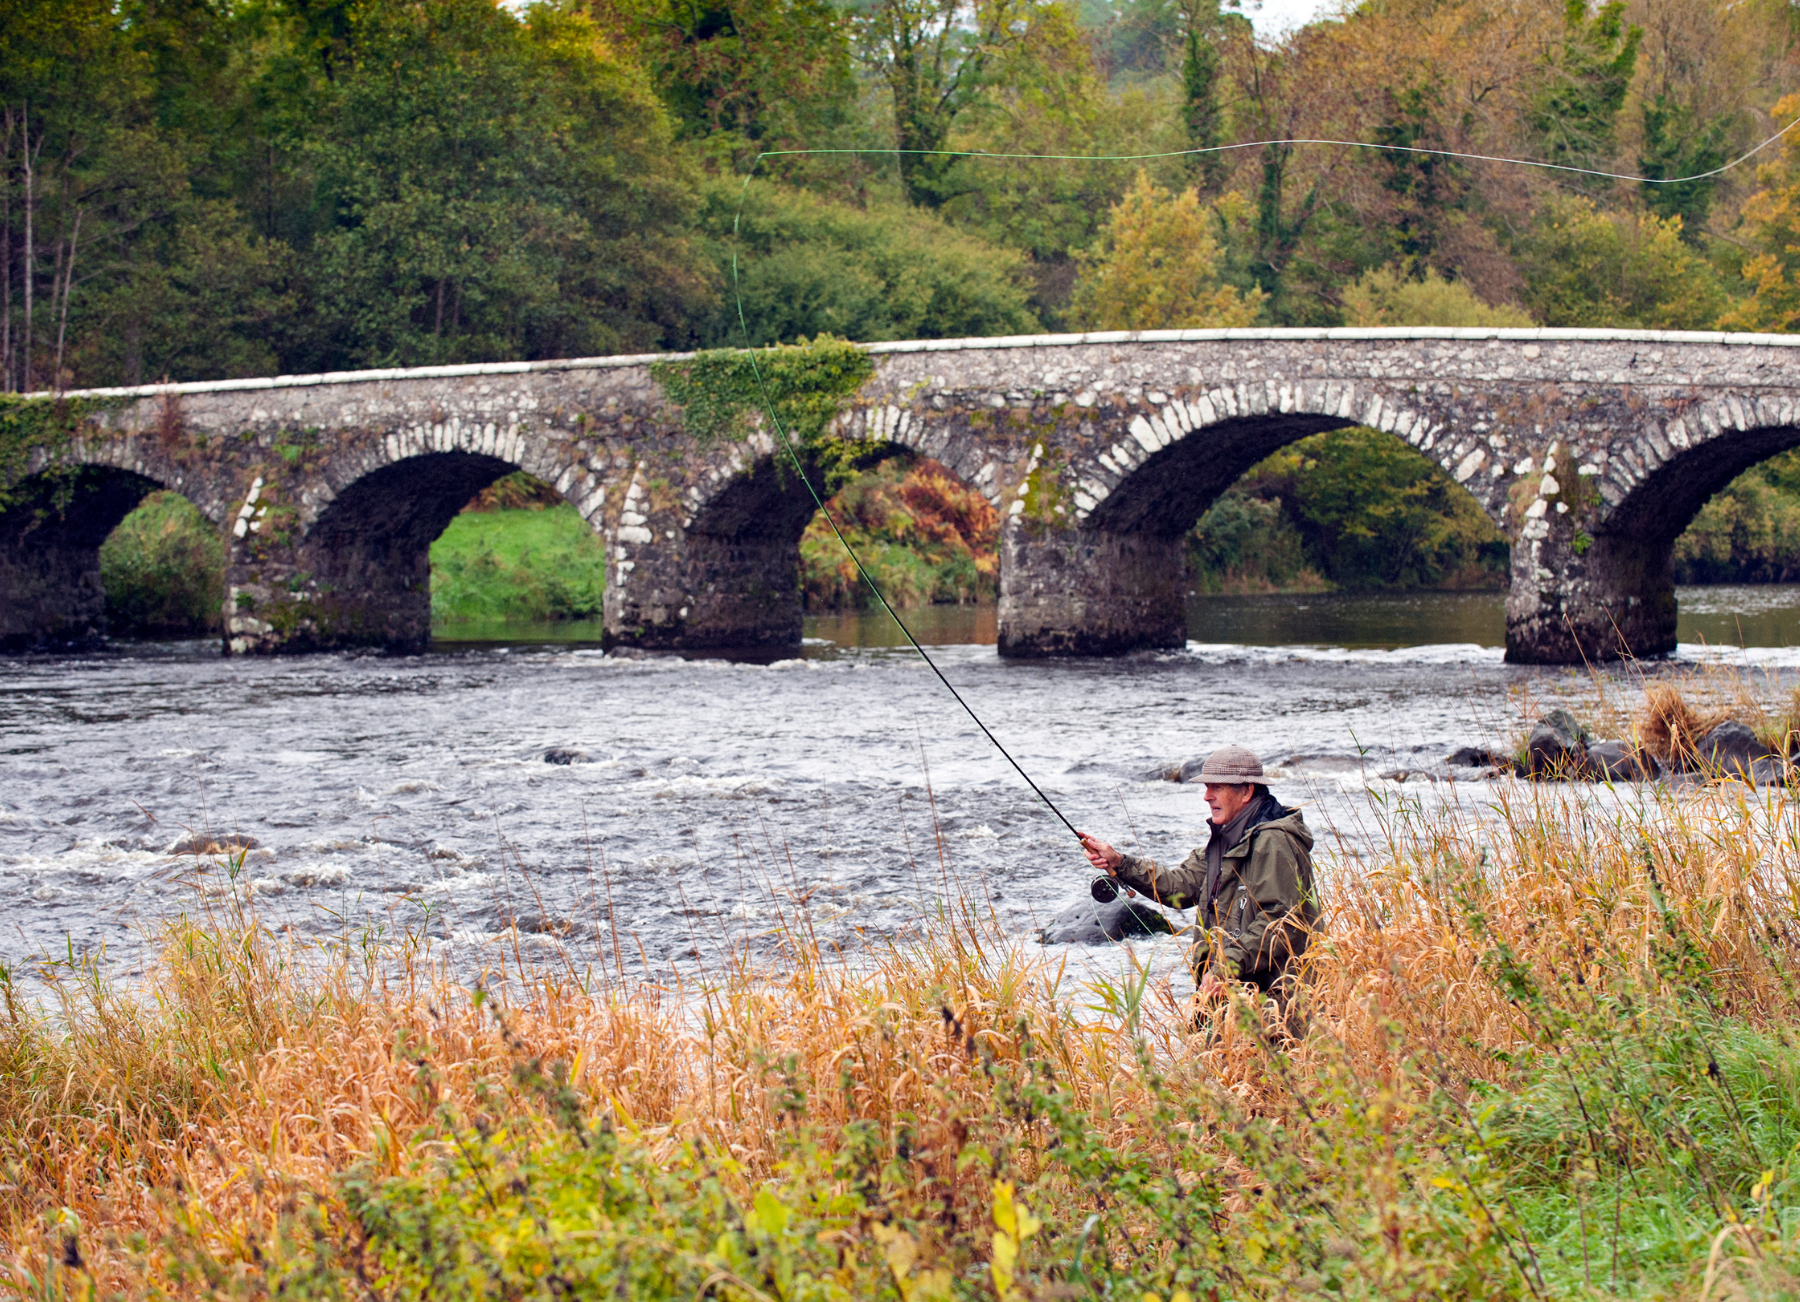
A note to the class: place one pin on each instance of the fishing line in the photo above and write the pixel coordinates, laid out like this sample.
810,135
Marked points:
793,456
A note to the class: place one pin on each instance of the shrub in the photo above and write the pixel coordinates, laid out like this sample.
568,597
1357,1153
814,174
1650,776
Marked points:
163,569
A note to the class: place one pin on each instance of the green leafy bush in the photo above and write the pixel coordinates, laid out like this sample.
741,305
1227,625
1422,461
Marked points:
808,266
1356,506
163,569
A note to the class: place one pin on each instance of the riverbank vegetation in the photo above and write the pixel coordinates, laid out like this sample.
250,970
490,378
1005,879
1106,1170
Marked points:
1550,1053
924,536
163,570
518,552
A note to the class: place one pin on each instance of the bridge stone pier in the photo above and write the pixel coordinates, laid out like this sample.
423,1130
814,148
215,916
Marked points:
1591,450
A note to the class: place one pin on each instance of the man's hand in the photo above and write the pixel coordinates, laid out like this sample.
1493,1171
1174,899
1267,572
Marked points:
1100,854
1211,988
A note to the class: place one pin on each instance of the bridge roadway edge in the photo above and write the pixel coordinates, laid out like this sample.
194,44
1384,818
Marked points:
1590,449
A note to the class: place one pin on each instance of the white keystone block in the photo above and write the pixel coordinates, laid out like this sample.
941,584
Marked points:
1202,410
1175,417
1141,431
1163,437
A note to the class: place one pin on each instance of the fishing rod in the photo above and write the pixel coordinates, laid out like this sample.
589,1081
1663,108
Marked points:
794,456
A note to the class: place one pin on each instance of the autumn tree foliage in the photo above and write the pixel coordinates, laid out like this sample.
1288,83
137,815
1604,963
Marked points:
1159,265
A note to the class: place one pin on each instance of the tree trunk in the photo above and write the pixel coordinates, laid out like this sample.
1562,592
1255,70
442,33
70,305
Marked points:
6,268
62,326
30,253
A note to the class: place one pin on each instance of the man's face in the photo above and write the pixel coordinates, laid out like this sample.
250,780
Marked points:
1227,800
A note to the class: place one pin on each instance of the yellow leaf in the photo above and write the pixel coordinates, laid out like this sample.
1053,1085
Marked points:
901,1249
1006,1254
932,1286
770,1216
1003,1208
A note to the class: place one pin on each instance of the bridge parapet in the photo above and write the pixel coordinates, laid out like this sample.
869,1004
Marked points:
1590,449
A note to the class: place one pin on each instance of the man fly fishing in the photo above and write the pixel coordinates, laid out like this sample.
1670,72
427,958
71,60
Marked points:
1252,881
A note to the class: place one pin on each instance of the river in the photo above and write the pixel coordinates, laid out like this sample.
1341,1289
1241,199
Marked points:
715,803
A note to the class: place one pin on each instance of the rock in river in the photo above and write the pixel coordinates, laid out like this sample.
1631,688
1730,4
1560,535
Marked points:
1619,761
1557,747
1730,749
1088,923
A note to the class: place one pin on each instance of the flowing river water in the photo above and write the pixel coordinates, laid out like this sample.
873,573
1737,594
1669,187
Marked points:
707,805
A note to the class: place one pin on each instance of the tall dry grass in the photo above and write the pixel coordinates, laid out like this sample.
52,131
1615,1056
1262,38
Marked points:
243,1076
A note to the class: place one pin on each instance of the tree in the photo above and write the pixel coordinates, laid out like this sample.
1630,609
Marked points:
808,266
747,74
1202,30
1771,226
1585,266
1387,297
1157,266
1576,106
1678,143
491,188
934,55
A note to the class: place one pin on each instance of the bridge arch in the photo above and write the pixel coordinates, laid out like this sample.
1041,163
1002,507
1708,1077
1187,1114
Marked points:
343,557
737,582
52,523
1655,485
1195,444
1612,592
1147,470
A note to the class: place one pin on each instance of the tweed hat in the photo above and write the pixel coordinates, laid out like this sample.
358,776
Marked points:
1233,764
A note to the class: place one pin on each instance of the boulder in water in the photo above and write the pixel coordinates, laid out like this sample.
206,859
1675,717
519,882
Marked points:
205,843
1088,923
566,755
1477,757
1557,747
1621,762
1730,749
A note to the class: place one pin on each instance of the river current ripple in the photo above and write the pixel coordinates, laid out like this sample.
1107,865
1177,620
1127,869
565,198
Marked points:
713,803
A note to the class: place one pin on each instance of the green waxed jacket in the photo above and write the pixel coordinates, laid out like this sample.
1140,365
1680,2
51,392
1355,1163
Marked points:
1263,908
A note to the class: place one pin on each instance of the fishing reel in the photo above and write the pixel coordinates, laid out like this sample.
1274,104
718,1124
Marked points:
1106,888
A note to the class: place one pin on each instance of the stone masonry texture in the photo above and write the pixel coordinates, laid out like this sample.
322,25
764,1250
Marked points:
1590,449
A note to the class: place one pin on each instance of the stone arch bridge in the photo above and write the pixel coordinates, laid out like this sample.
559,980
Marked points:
1590,449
